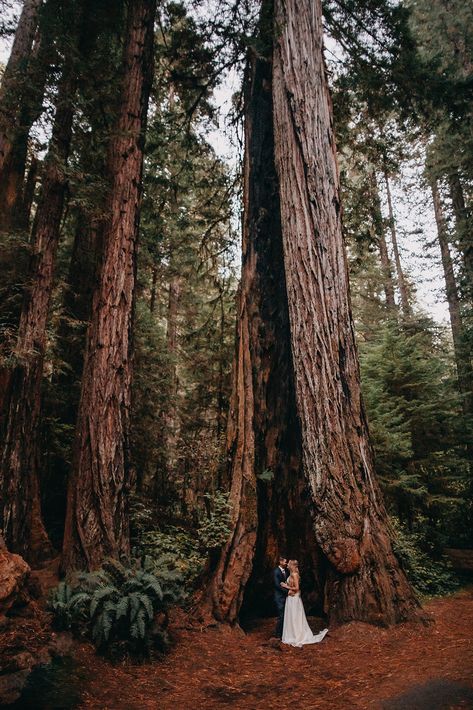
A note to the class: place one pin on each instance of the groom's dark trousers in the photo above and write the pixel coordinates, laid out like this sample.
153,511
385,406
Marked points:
280,595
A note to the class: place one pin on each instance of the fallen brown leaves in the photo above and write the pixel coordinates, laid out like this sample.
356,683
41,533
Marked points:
356,666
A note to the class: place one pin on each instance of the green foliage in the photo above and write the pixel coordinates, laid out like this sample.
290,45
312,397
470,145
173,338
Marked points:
174,548
429,577
214,529
415,424
116,606
178,551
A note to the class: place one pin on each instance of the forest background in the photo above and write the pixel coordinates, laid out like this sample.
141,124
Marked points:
401,78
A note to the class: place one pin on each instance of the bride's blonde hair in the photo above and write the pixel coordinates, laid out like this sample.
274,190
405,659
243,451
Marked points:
293,565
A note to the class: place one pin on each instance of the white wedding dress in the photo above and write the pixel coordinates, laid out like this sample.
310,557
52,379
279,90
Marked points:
296,631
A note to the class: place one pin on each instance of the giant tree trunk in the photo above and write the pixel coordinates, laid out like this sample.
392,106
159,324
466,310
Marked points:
296,405
20,512
351,526
270,505
462,356
97,515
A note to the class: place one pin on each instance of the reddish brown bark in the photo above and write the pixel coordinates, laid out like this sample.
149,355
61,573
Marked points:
19,468
97,517
296,403
272,513
364,579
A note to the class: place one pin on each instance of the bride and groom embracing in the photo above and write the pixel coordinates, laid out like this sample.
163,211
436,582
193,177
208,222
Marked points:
292,627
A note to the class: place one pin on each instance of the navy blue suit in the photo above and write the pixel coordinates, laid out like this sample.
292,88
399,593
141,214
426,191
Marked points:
280,596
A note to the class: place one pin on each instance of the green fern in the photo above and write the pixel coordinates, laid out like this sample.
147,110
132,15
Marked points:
116,605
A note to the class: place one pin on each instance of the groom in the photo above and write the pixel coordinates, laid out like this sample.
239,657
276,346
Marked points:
280,574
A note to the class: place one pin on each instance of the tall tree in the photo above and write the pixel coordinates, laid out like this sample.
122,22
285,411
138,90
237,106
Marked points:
19,472
463,229
269,502
330,457
401,279
10,96
97,514
462,356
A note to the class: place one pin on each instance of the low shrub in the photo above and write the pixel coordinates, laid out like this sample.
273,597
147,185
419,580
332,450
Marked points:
176,550
428,576
122,609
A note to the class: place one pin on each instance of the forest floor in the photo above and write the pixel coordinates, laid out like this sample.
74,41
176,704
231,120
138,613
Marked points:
409,667
357,666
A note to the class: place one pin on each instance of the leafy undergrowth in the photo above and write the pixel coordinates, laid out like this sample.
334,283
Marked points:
121,608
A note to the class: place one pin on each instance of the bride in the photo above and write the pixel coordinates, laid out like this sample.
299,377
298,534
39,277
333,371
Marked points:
296,630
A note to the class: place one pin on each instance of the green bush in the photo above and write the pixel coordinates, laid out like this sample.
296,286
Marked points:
429,577
176,550
215,529
117,606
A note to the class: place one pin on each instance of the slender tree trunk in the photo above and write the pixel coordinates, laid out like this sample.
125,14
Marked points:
13,190
463,228
387,272
171,416
20,514
29,190
154,288
403,289
462,356
10,95
220,394
97,507
386,265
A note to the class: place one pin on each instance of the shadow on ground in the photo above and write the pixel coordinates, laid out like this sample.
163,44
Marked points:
438,694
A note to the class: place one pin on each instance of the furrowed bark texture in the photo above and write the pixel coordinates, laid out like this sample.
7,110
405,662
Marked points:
20,515
97,514
364,579
269,516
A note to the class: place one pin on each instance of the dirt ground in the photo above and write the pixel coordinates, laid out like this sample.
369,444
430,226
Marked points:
410,667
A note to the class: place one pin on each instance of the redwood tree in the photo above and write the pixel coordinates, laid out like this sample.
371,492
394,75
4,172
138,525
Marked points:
96,518
296,392
20,516
10,96
269,501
